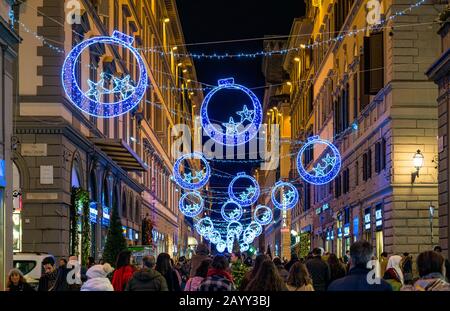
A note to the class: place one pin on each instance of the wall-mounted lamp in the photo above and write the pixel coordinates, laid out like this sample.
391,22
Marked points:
294,233
297,59
418,163
166,20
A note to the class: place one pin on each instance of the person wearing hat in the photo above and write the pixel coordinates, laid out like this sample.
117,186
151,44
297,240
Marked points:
97,279
17,283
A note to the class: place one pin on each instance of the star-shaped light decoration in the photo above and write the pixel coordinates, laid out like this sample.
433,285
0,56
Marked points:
96,89
265,216
231,126
319,170
188,177
234,213
247,193
123,86
199,175
329,160
246,114
190,208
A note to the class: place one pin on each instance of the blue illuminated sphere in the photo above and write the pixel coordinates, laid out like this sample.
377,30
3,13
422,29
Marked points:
263,215
224,137
320,177
194,208
233,215
288,193
247,197
92,106
188,184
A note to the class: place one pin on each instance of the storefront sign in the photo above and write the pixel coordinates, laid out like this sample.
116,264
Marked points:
356,227
46,174
339,232
318,210
346,230
124,231
106,217
325,207
130,234
378,218
33,150
330,235
93,212
367,219
2,173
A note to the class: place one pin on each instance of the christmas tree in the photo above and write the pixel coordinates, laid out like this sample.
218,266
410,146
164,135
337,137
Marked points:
115,241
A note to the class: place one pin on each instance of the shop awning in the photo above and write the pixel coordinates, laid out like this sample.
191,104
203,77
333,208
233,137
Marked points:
121,153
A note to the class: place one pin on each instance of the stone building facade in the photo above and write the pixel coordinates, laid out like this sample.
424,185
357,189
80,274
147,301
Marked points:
123,162
9,41
439,72
366,92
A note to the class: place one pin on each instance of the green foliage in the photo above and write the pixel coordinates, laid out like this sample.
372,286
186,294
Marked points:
304,245
238,270
115,241
80,197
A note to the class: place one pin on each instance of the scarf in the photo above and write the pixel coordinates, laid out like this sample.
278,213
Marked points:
222,273
394,263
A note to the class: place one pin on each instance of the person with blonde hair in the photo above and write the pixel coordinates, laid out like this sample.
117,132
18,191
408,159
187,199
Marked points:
299,279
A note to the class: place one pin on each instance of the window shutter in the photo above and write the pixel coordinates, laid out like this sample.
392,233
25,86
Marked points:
383,154
369,163
365,166
376,74
377,157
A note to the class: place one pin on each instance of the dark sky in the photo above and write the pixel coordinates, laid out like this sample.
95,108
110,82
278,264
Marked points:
217,20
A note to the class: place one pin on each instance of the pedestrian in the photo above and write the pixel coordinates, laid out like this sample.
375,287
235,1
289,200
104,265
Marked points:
337,269
407,268
193,283
219,278
346,256
147,279
294,259
394,274
281,270
48,281
62,262
201,253
123,272
97,279
164,266
91,262
267,279
251,274
319,270
299,279
175,268
383,262
431,267
357,277
438,249
17,283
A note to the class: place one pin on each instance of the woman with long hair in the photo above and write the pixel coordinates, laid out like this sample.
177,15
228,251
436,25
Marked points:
299,279
123,272
251,274
337,269
17,283
267,279
201,273
164,266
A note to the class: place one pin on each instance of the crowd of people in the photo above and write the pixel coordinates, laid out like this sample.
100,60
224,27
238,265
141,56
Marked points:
319,271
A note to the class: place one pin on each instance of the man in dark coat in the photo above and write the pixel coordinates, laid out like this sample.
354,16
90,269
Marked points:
360,278
319,270
438,249
147,279
201,253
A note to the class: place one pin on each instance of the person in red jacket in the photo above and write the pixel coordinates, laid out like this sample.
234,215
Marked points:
124,271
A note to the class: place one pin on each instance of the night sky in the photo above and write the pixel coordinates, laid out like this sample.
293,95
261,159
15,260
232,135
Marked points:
217,20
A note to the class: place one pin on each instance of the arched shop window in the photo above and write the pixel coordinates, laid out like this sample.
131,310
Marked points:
75,178
17,209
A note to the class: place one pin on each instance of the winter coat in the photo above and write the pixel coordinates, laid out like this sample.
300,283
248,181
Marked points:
97,279
21,287
356,280
121,277
319,272
48,281
430,282
391,276
172,280
217,281
193,284
337,271
147,280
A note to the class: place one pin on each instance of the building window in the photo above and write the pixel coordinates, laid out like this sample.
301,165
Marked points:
337,186
346,180
356,173
377,157
373,63
383,153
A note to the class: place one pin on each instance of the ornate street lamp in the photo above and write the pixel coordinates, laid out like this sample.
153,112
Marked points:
418,163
